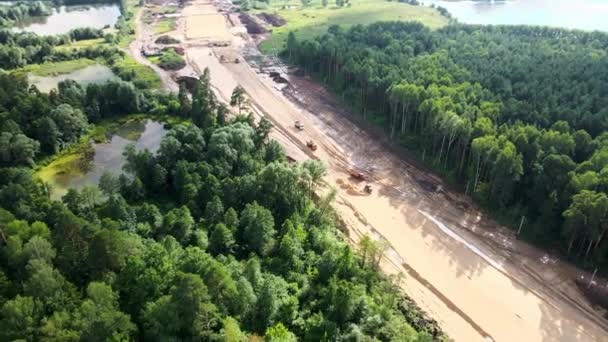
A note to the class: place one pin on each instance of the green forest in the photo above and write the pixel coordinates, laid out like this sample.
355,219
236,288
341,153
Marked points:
22,49
514,116
12,13
216,237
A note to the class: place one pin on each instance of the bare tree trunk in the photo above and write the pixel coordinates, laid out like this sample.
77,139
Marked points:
441,150
601,237
464,150
477,173
579,248
447,153
588,248
403,121
393,122
571,242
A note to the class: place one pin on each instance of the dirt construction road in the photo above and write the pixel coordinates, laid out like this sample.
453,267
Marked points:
472,291
144,36
472,276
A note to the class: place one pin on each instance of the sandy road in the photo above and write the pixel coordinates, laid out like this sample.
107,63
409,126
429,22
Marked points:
474,292
143,36
464,271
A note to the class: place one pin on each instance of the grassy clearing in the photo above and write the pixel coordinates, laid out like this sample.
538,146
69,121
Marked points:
126,39
310,21
56,68
139,74
59,169
165,25
164,9
80,44
154,59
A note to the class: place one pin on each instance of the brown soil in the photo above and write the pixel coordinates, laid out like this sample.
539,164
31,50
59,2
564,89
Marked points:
253,27
165,39
272,19
143,37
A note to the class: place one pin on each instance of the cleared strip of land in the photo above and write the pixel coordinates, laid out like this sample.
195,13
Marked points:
476,289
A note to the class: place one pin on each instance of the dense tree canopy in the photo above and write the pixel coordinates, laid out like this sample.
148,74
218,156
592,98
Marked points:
214,237
516,115
33,124
22,10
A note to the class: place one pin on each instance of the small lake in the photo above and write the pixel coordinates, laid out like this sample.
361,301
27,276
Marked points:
87,169
586,15
66,18
91,74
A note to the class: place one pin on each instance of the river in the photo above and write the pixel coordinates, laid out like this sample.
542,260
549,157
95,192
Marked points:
81,169
66,18
586,15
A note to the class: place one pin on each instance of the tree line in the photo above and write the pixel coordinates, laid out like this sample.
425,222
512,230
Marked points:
215,237
22,10
18,49
35,125
515,115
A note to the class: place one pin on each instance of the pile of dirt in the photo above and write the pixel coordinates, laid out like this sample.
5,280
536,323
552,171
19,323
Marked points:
272,19
189,81
164,39
277,77
596,294
253,27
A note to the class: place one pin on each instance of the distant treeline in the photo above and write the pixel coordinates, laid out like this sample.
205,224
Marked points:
19,49
22,10
517,115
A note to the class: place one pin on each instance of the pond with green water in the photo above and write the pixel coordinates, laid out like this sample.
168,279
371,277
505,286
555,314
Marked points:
91,74
85,165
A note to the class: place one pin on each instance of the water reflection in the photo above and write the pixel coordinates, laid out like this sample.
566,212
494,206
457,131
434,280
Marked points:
92,74
580,14
66,18
102,157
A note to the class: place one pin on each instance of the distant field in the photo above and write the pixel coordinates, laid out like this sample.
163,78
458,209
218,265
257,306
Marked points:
307,22
143,75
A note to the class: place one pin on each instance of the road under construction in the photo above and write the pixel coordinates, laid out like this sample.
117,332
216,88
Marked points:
467,272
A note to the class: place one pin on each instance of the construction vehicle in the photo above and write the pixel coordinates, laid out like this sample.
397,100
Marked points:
368,189
311,144
357,175
223,60
299,125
